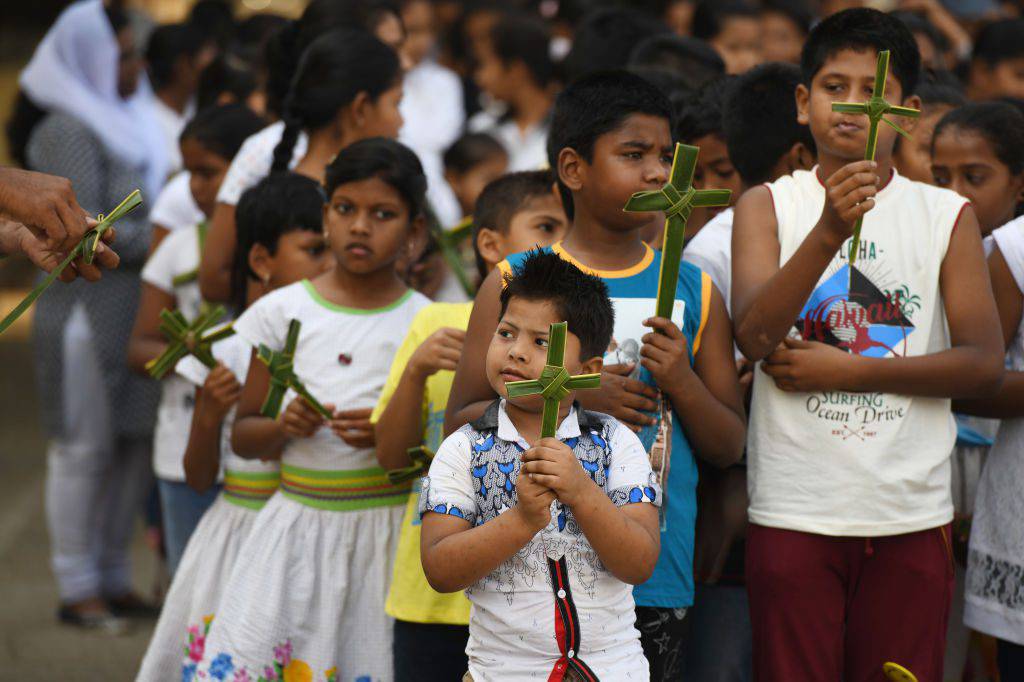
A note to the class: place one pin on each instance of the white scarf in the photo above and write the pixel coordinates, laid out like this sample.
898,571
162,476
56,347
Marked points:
74,71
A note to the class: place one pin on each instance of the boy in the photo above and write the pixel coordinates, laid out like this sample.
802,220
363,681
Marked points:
733,28
610,137
997,61
520,212
525,523
938,94
850,430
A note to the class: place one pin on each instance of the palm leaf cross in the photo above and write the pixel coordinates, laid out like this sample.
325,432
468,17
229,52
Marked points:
187,338
554,383
421,457
86,249
677,199
876,108
448,241
283,377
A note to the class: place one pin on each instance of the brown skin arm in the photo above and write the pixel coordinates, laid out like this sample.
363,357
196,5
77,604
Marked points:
202,454
1008,401
215,265
627,539
159,234
400,426
146,341
253,435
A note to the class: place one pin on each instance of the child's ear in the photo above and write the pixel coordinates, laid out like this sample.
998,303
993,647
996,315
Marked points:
592,366
803,98
571,169
491,246
358,110
905,122
261,262
799,157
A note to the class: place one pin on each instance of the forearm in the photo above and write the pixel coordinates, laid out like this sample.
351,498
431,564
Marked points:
461,559
716,433
258,437
964,372
769,317
202,454
1006,403
624,546
10,241
215,264
467,414
400,427
142,349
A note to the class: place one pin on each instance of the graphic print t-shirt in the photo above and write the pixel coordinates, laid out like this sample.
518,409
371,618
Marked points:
860,464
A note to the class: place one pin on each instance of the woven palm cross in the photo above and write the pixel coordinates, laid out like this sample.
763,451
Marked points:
554,382
677,199
283,377
875,109
448,241
421,457
86,249
185,338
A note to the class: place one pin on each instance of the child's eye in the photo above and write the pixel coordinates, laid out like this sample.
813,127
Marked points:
343,209
940,179
543,343
384,214
504,333
833,87
976,178
317,250
546,227
634,156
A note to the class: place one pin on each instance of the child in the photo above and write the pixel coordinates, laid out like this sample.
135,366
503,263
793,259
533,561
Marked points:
996,61
693,60
733,29
610,137
913,157
784,28
281,242
515,68
472,163
978,152
850,430
208,144
525,524
347,87
313,576
430,634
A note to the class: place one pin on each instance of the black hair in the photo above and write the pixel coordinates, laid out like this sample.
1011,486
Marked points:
580,299
710,16
227,75
671,84
702,115
797,11
502,199
214,19
525,39
595,105
605,38
280,203
858,29
379,157
759,120
1000,123
692,59
920,25
471,150
169,43
999,41
286,46
222,129
940,87
336,67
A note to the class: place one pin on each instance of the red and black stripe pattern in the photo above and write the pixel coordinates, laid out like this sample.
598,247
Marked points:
567,629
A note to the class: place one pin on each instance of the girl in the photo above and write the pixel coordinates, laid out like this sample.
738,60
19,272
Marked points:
307,594
471,164
281,242
347,87
208,144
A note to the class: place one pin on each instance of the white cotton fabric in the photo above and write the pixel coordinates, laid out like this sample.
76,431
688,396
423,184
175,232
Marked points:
175,208
711,251
253,161
74,71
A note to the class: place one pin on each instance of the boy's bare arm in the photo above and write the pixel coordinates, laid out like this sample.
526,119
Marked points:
215,264
471,392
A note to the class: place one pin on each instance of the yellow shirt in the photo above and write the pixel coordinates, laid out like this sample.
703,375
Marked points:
411,598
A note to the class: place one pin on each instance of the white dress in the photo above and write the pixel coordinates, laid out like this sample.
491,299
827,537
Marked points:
306,598
178,640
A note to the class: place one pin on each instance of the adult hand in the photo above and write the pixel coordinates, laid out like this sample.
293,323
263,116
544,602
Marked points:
623,397
18,238
45,204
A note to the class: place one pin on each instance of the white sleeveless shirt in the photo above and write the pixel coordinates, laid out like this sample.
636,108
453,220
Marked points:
860,464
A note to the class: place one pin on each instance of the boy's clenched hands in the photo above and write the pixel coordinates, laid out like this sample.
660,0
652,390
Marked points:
552,463
849,194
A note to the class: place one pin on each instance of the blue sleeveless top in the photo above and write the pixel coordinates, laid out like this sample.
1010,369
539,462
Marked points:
633,292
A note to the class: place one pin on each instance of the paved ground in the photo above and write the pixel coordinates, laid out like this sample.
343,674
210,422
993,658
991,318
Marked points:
32,645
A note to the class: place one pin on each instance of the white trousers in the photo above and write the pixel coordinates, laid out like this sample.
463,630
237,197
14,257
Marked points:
95,483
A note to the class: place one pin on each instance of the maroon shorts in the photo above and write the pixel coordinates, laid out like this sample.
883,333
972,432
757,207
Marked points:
828,609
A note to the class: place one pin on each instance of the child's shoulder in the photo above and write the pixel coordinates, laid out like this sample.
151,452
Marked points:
434,316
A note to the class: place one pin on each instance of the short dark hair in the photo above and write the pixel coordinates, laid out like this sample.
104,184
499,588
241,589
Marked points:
858,29
520,38
759,120
702,115
228,74
503,198
278,204
940,87
389,160
999,41
797,11
710,16
1000,123
223,129
692,59
580,299
595,105
605,38
920,25
169,43
471,150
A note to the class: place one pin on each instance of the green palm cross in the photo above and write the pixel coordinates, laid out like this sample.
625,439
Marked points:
875,109
283,377
86,249
677,199
554,382
449,242
421,457
188,339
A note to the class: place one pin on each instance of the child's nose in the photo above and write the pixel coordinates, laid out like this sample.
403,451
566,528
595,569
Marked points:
656,173
361,224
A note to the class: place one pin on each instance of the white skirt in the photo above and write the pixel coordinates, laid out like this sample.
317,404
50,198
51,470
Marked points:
306,598
203,573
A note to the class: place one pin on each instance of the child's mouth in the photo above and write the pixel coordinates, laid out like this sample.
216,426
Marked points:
359,250
509,374
847,128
